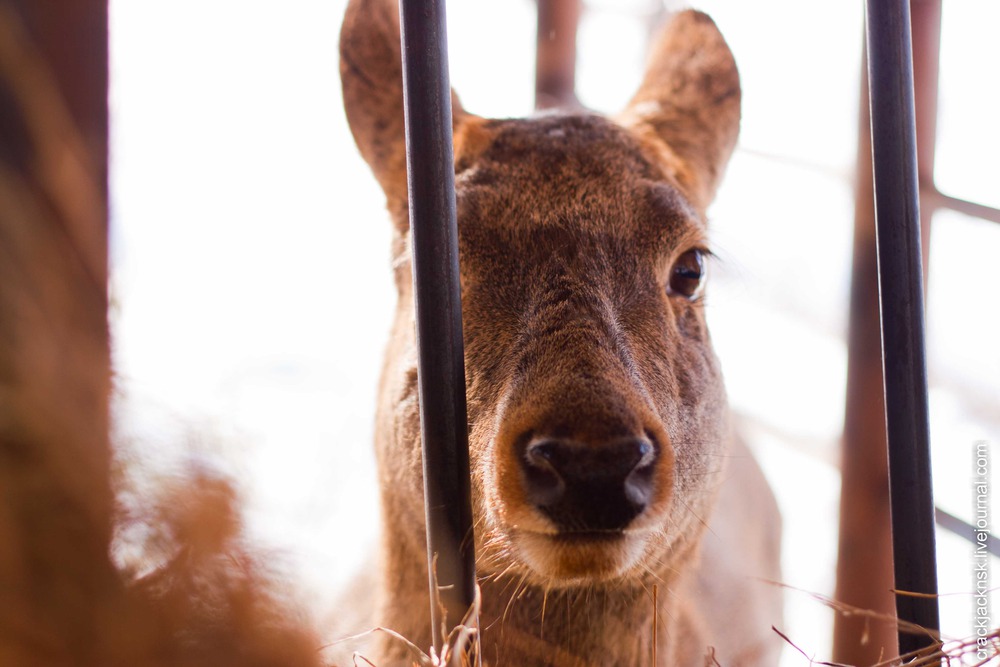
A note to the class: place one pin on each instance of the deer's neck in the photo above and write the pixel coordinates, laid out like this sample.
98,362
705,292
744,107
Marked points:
618,625
530,626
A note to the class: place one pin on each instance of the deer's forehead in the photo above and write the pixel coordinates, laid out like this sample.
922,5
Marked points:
579,173
563,152
549,140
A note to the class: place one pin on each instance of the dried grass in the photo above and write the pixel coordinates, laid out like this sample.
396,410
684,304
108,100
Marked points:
939,651
461,647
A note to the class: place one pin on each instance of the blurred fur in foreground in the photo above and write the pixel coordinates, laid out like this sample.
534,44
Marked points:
212,592
62,601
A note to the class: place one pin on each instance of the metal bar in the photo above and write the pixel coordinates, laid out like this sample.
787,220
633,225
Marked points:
965,530
438,305
555,55
897,216
864,566
973,209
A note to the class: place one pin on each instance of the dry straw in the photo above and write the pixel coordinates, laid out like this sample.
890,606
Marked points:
968,652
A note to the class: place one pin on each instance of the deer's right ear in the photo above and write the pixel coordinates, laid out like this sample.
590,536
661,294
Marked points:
371,75
689,103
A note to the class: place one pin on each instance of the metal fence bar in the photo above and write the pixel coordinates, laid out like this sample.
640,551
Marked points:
897,214
966,530
966,207
438,305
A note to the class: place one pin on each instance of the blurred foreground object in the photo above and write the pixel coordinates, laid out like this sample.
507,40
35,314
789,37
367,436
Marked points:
63,602
56,504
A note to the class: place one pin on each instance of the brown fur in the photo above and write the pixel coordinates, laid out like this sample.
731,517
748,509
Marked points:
569,227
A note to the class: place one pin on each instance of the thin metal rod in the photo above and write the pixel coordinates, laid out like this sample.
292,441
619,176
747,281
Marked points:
970,208
438,305
897,215
966,530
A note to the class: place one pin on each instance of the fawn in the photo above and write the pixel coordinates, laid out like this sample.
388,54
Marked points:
603,459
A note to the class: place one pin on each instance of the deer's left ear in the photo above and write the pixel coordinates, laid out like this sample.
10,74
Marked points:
689,103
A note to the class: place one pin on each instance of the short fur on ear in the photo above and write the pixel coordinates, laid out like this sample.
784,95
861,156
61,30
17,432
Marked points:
371,75
689,103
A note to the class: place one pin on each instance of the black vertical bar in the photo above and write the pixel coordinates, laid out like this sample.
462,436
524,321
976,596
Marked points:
438,305
897,214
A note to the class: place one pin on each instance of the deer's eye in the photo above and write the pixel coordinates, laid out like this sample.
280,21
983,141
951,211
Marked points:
688,274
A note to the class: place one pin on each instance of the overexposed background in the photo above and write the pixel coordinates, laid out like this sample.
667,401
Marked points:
250,257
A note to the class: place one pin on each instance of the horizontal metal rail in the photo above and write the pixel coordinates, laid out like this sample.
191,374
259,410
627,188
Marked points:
941,200
966,530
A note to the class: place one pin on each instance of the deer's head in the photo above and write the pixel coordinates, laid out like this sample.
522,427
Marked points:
597,411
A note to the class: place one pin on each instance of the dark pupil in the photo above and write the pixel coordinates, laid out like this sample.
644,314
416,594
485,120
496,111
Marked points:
687,274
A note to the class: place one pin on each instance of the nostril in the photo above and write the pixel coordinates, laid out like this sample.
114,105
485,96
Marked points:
543,483
645,451
639,486
639,482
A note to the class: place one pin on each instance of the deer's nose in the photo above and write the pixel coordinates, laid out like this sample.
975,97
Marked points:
589,488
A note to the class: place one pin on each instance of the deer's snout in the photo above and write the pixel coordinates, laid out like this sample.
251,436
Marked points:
589,487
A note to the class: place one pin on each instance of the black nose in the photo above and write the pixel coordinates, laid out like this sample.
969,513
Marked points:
583,487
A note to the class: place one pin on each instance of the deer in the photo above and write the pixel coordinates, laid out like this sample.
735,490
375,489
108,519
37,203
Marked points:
618,515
